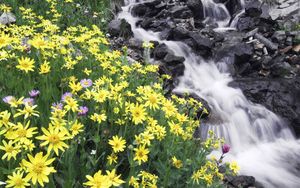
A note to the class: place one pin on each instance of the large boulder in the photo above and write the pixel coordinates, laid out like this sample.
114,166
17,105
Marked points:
120,28
196,7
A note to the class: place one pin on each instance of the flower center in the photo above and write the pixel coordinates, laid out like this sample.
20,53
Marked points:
54,139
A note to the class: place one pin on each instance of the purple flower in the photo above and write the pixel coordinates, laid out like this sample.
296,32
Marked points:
86,83
8,99
225,148
28,101
83,110
65,95
34,93
57,105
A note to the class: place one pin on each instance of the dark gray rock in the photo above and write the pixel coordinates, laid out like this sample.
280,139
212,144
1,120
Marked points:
171,60
161,51
239,181
281,69
279,36
202,44
140,10
253,8
120,28
181,12
196,6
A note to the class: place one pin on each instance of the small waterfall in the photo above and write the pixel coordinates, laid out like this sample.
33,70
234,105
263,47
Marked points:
215,13
261,143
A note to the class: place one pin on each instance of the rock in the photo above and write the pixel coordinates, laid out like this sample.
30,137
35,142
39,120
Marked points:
286,49
172,60
7,18
246,23
296,48
120,28
135,43
181,12
195,6
239,181
241,52
140,10
280,69
253,8
278,36
178,33
269,44
202,44
233,6
280,95
161,51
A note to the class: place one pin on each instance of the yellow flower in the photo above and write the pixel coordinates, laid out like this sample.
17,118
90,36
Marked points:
141,154
28,111
75,86
87,71
38,169
98,181
25,64
177,163
112,158
114,178
76,128
54,138
234,167
16,180
22,133
98,117
45,68
4,40
138,114
152,100
10,150
71,104
117,143
148,45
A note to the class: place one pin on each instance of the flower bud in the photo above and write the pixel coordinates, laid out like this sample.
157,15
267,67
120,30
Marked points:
225,148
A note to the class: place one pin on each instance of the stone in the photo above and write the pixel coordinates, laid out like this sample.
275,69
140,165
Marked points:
278,36
7,18
202,44
172,60
280,69
195,6
140,10
253,8
120,28
180,12
161,51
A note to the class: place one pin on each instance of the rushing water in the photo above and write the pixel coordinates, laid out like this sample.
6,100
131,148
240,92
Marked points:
261,143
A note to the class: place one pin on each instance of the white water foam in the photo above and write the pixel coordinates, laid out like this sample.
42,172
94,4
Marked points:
261,143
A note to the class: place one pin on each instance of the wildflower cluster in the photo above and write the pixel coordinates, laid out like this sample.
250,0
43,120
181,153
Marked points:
73,109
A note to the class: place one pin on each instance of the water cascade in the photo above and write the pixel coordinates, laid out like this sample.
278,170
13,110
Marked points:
262,144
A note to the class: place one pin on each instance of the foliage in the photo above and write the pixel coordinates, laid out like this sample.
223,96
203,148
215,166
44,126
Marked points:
76,113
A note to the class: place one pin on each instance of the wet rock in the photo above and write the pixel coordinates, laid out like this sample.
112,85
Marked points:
253,8
120,28
181,12
172,60
233,6
195,6
161,51
246,23
202,44
140,10
241,52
